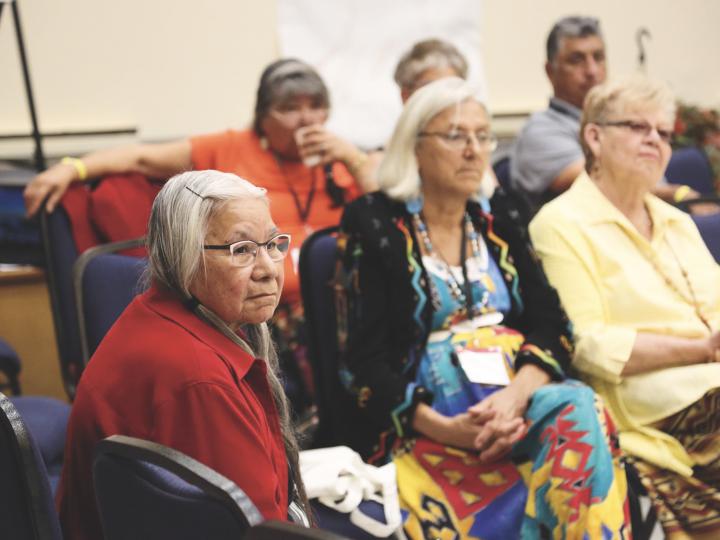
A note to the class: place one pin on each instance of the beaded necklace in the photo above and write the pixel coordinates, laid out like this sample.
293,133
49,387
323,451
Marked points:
464,298
692,300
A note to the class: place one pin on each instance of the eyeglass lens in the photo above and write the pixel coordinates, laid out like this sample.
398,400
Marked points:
245,252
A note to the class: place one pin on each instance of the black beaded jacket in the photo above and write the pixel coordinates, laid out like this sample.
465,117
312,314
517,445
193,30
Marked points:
385,313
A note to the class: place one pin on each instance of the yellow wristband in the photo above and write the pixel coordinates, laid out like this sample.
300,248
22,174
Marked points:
78,164
681,193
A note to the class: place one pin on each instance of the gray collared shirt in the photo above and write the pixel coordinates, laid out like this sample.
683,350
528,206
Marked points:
547,144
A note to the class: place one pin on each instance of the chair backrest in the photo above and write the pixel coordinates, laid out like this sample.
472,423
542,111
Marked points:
104,284
501,168
690,166
709,227
27,511
147,490
318,268
60,255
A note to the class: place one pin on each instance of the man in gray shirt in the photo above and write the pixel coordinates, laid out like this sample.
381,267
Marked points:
547,156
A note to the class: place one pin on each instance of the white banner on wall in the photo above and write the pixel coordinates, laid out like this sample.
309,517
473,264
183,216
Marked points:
355,45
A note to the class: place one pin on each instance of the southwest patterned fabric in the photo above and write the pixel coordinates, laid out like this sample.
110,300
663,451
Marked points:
563,480
689,507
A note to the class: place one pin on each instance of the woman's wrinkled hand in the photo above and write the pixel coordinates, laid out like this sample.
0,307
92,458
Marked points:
51,183
508,426
508,403
462,430
497,437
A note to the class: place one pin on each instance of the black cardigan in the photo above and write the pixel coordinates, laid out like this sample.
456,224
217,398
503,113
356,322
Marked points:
387,319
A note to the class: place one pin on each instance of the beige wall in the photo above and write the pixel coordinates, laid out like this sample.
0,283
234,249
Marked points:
173,68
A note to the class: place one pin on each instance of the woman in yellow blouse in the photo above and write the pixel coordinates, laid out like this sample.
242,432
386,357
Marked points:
643,293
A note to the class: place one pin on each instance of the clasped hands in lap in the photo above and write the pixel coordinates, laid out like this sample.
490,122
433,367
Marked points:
491,426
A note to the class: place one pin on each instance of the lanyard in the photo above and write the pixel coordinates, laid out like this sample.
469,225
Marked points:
467,284
303,211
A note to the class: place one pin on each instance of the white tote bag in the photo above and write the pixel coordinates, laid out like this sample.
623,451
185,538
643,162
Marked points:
339,479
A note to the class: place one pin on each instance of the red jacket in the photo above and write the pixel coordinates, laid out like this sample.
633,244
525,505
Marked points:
163,374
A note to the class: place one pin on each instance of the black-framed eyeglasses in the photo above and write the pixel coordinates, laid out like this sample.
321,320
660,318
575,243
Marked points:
459,140
641,128
244,252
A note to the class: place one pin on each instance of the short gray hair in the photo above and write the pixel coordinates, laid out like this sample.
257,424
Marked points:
398,172
429,54
179,222
571,27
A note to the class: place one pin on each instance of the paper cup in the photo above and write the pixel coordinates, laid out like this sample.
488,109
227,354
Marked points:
310,160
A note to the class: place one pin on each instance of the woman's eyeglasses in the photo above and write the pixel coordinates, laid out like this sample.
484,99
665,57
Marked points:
641,128
245,252
459,140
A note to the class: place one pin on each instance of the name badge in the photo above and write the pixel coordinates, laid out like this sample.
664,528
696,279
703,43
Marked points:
485,366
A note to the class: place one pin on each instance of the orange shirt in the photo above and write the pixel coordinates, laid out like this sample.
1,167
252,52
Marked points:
240,152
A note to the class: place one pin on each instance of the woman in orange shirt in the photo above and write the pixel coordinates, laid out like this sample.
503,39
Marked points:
308,172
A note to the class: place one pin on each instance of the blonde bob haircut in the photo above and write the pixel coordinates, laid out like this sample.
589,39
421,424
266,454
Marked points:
398,173
609,101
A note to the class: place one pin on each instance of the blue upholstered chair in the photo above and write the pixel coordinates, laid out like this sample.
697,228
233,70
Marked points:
104,284
709,227
317,264
60,254
27,511
61,257
501,168
318,267
690,166
46,418
145,490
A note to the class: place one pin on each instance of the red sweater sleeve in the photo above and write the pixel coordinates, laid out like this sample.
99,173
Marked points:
225,429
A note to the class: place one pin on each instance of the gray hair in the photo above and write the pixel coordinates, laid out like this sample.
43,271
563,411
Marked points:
284,79
179,221
178,225
571,27
429,54
398,172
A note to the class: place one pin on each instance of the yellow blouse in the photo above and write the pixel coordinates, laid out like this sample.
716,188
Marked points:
610,282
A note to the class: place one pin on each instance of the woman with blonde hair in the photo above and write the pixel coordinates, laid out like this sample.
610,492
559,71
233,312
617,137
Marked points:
643,293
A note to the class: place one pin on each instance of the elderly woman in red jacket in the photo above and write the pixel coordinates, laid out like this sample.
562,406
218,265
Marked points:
190,364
